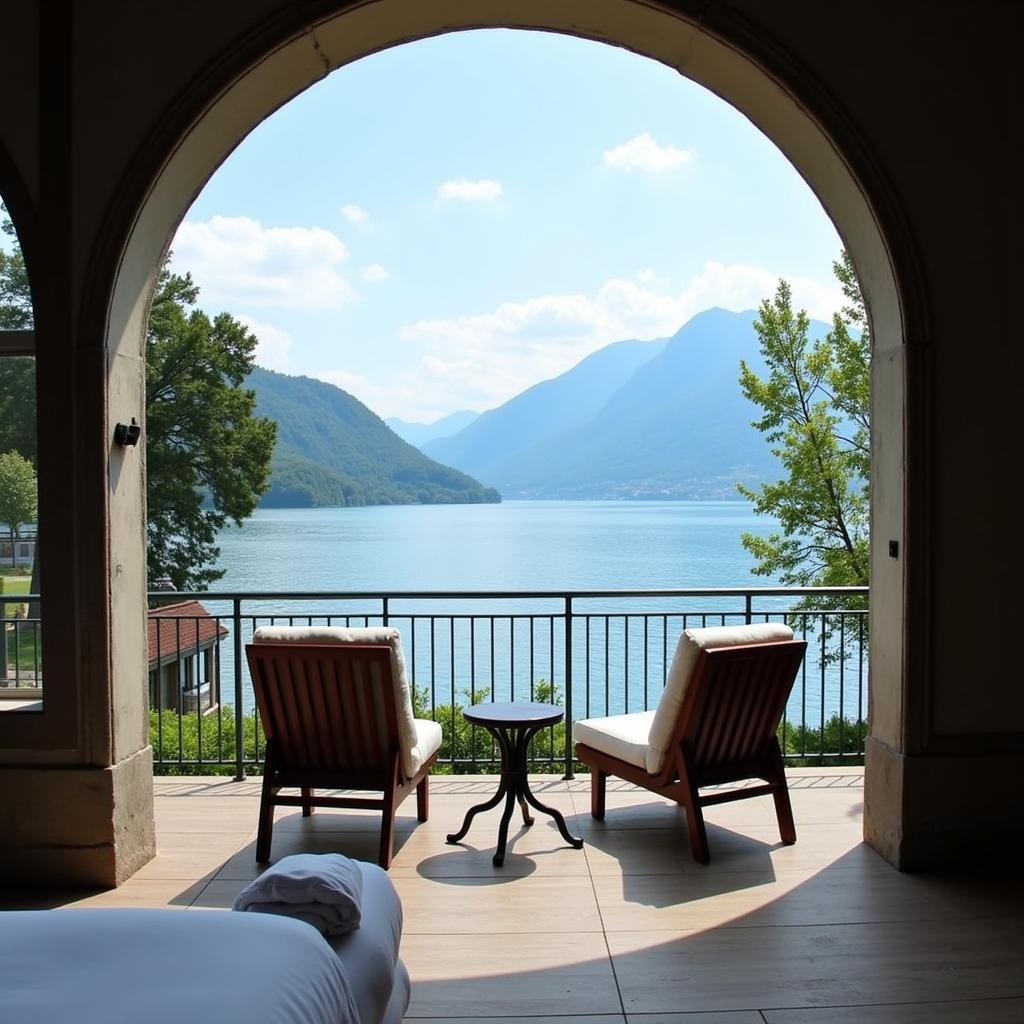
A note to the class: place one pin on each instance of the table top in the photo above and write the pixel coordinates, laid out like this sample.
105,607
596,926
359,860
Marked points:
517,713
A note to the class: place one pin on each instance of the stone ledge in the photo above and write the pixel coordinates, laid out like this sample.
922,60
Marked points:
79,825
933,811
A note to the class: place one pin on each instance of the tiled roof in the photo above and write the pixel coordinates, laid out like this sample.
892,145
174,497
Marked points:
181,629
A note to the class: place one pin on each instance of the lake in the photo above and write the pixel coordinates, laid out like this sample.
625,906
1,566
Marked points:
621,647
517,545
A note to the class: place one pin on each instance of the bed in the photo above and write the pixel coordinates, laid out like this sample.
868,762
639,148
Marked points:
195,966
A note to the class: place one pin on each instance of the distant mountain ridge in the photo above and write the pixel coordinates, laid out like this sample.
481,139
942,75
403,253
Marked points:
420,433
543,410
332,450
675,425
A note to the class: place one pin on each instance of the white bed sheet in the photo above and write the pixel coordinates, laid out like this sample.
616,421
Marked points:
168,967
378,979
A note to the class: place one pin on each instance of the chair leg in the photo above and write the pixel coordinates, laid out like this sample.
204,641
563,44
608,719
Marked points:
689,797
783,808
784,812
598,779
698,834
387,829
307,802
423,799
266,821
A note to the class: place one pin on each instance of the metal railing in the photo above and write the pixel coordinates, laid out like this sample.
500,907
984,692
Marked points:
21,648
593,652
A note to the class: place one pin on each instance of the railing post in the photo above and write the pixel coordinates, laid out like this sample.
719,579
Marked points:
568,688
748,602
239,718
384,604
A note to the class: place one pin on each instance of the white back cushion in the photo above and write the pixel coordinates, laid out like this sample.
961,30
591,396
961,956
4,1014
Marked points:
408,738
690,644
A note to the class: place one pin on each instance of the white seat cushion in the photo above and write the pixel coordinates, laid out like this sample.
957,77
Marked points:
690,644
412,741
621,736
428,742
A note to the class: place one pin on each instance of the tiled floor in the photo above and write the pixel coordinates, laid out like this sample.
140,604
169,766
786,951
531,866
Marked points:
629,930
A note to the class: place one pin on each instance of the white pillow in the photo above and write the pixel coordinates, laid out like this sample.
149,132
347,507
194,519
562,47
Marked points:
407,735
690,644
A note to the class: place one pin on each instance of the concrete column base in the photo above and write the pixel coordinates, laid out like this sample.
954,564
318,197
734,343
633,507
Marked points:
77,826
943,810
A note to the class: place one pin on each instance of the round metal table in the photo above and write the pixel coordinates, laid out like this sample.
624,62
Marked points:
513,726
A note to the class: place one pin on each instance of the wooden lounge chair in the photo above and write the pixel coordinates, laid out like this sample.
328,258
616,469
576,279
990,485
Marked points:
337,713
715,723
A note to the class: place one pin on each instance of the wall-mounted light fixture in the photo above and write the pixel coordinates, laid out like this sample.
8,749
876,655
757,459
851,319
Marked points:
127,434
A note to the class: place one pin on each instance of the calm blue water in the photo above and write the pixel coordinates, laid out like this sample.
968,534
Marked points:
620,648
517,545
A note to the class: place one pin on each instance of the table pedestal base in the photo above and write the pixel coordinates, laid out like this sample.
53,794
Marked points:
513,741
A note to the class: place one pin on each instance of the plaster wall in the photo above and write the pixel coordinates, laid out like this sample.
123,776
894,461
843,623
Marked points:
936,89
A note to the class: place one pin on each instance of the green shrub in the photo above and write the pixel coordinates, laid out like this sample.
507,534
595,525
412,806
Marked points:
469,749
465,749
204,740
817,746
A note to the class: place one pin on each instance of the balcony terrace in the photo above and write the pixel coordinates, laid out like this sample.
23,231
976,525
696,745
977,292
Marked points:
629,929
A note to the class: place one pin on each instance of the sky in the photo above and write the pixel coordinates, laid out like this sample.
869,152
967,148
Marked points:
438,226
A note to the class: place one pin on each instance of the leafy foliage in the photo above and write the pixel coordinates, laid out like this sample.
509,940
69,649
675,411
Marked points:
208,742
17,373
18,405
197,745
15,294
176,738
332,450
816,415
841,741
18,494
208,456
469,749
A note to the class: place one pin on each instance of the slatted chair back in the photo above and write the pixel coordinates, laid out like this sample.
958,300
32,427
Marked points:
327,709
733,706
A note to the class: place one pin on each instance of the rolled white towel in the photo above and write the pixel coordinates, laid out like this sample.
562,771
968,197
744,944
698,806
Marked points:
322,889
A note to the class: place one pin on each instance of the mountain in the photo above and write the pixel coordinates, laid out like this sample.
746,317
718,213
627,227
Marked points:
332,450
542,411
677,426
419,433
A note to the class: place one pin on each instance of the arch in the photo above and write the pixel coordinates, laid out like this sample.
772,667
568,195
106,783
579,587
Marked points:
295,48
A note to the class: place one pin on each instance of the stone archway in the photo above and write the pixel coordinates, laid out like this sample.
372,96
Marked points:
720,52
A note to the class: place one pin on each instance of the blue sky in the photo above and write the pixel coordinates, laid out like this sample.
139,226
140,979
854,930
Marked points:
438,226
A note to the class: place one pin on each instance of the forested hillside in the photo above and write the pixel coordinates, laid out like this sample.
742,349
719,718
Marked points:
332,450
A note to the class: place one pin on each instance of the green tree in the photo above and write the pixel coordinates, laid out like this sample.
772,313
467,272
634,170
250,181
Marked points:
15,296
17,373
816,415
18,495
208,455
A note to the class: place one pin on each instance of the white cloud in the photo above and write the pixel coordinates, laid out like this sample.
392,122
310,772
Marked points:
469,191
374,272
355,214
643,153
650,277
274,346
737,286
237,261
481,360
